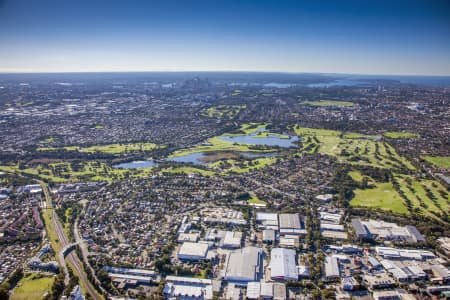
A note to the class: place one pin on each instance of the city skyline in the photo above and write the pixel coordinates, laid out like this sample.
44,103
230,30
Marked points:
352,37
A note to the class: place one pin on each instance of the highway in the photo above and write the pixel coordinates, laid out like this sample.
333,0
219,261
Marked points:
72,257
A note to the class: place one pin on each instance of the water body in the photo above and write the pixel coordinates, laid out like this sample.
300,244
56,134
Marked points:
196,158
258,155
270,140
139,164
193,158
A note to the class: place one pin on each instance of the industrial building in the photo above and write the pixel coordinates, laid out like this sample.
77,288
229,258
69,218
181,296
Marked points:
349,283
253,290
378,281
360,229
283,264
244,265
268,236
292,224
193,251
188,237
331,268
381,230
403,254
267,220
289,241
187,288
232,239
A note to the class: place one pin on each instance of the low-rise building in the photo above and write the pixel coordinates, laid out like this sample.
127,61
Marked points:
193,251
187,288
244,265
283,264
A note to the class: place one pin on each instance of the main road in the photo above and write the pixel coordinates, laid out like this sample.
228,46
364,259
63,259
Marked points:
71,257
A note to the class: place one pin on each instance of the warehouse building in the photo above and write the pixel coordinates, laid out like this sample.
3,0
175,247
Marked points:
331,268
243,266
360,229
187,288
193,251
268,236
232,239
292,224
283,264
381,230
404,254
267,220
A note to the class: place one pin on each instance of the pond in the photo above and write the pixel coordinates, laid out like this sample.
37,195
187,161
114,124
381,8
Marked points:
138,164
269,140
198,157
193,158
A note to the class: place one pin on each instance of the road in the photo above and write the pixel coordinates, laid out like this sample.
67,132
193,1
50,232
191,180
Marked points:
72,257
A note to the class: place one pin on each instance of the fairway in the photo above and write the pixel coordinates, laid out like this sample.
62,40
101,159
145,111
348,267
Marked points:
223,111
32,287
108,148
401,135
352,148
75,171
438,161
428,196
242,166
381,196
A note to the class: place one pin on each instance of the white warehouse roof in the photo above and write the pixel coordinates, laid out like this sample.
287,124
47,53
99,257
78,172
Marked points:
283,264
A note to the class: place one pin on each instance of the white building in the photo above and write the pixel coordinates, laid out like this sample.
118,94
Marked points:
331,268
244,265
232,239
283,264
291,224
188,288
193,251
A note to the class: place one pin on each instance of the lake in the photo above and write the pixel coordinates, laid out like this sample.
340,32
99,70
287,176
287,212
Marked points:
193,158
139,164
270,140
196,158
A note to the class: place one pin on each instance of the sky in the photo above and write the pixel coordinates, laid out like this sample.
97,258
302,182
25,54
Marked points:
361,36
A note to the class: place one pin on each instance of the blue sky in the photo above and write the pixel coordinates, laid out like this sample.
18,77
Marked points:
369,37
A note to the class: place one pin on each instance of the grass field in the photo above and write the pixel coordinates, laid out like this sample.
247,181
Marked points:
426,196
254,200
108,149
401,135
383,196
329,103
73,171
438,161
223,111
243,166
32,287
353,148
356,176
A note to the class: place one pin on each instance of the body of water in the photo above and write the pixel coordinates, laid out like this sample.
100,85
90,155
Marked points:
271,140
136,164
193,158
